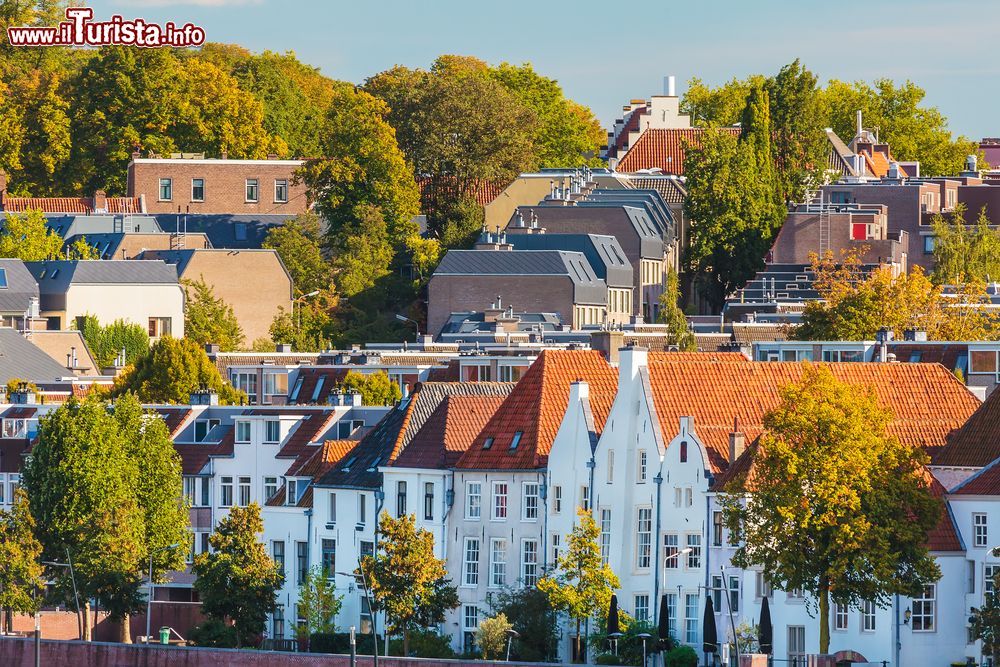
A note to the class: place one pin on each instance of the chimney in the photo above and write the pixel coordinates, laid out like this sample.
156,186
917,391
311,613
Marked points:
204,396
737,445
100,202
859,129
23,395
670,86
579,390
211,349
630,359
608,343
283,348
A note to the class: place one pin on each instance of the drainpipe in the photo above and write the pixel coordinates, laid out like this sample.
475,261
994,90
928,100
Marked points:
379,501
592,463
543,491
656,547
895,612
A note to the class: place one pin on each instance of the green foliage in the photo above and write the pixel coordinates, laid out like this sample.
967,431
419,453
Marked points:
237,580
678,332
531,614
318,603
459,221
608,659
209,319
104,486
307,332
20,555
297,242
407,581
107,342
424,643
581,585
363,252
682,656
213,632
831,437
629,645
425,255
173,369
491,636
339,642
985,622
965,253
375,388
799,143
28,238
17,384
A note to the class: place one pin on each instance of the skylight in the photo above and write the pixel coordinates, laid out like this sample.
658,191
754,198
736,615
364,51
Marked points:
488,443
515,440
3,278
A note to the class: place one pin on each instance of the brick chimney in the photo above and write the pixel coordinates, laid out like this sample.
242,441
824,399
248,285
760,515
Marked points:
100,202
737,442
608,343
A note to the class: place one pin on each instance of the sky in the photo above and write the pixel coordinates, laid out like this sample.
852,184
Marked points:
606,53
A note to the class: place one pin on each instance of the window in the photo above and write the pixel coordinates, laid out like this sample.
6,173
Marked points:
400,499
925,610
670,551
499,501
555,542
203,427
275,384
529,563
640,608
498,562
159,327
272,431
694,556
641,473
244,491
516,440
301,562
868,616
839,616
611,466
556,499
763,586
278,622
318,390
690,618
428,501
488,442
242,432
797,645
166,189
989,572
980,535
294,396
585,498
473,500
196,490
928,245
227,492
240,231
688,497
245,382
292,491
529,508
270,487
684,451
672,609
252,190
716,592
328,557
734,595
470,566
644,538
362,507
197,189
470,621
280,191
365,617
605,535
716,529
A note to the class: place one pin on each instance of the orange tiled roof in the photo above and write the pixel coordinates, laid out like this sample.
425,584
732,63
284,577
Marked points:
434,187
316,460
80,205
976,443
663,149
986,482
535,408
449,431
927,401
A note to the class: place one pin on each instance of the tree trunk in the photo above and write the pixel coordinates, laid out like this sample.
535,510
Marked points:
579,655
87,634
824,615
125,630
406,642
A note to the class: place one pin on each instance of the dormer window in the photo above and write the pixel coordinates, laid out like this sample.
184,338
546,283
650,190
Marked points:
516,440
293,490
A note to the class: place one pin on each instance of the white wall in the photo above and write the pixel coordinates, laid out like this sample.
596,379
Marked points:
133,303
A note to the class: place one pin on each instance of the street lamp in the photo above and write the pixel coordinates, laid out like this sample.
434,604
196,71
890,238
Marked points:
511,635
371,609
416,325
298,322
643,636
149,599
76,594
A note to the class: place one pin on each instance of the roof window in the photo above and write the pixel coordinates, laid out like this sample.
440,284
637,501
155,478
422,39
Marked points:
516,439
488,443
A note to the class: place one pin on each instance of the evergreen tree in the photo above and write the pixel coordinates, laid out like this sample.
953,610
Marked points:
209,319
171,372
678,332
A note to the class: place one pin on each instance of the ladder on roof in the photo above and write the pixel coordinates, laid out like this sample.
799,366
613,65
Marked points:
128,225
824,226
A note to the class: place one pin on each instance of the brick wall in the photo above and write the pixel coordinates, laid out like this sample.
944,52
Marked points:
62,624
21,652
225,185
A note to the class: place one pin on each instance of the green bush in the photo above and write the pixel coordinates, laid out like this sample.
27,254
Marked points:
213,632
340,642
424,644
607,659
682,656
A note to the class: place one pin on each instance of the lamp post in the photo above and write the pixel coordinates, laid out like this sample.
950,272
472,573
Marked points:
371,609
300,299
76,594
643,636
416,325
511,634
149,598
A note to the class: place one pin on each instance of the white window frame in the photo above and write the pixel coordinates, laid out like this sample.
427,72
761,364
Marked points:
473,510
500,505
498,562
643,538
530,501
255,184
642,463
867,616
198,199
841,617
241,437
980,530
471,549
693,542
611,466
223,487
529,566
169,182
270,439
280,182
923,611
671,546
605,537
556,499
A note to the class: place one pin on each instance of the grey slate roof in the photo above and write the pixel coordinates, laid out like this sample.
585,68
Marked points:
604,253
55,277
86,225
610,219
19,358
427,400
21,287
226,231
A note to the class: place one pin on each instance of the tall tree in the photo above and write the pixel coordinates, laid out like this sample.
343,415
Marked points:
533,618
107,343
237,580
714,107
800,145
962,252
209,319
319,604
375,388
171,372
363,252
678,332
407,581
581,585
868,511
297,242
20,559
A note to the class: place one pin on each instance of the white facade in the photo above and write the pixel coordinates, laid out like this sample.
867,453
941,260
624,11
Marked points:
140,304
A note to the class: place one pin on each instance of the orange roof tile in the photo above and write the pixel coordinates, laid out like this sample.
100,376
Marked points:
535,408
976,443
927,401
663,149
82,205
434,188
316,460
449,431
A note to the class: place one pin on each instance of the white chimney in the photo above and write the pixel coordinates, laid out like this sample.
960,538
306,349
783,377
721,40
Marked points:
670,86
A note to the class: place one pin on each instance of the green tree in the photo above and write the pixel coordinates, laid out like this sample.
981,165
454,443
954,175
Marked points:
962,252
375,388
985,622
491,637
237,580
407,581
533,618
319,604
171,372
209,319
714,107
28,238
363,252
297,242
308,331
104,487
678,332
581,585
20,556
799,143
106,343
831,438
